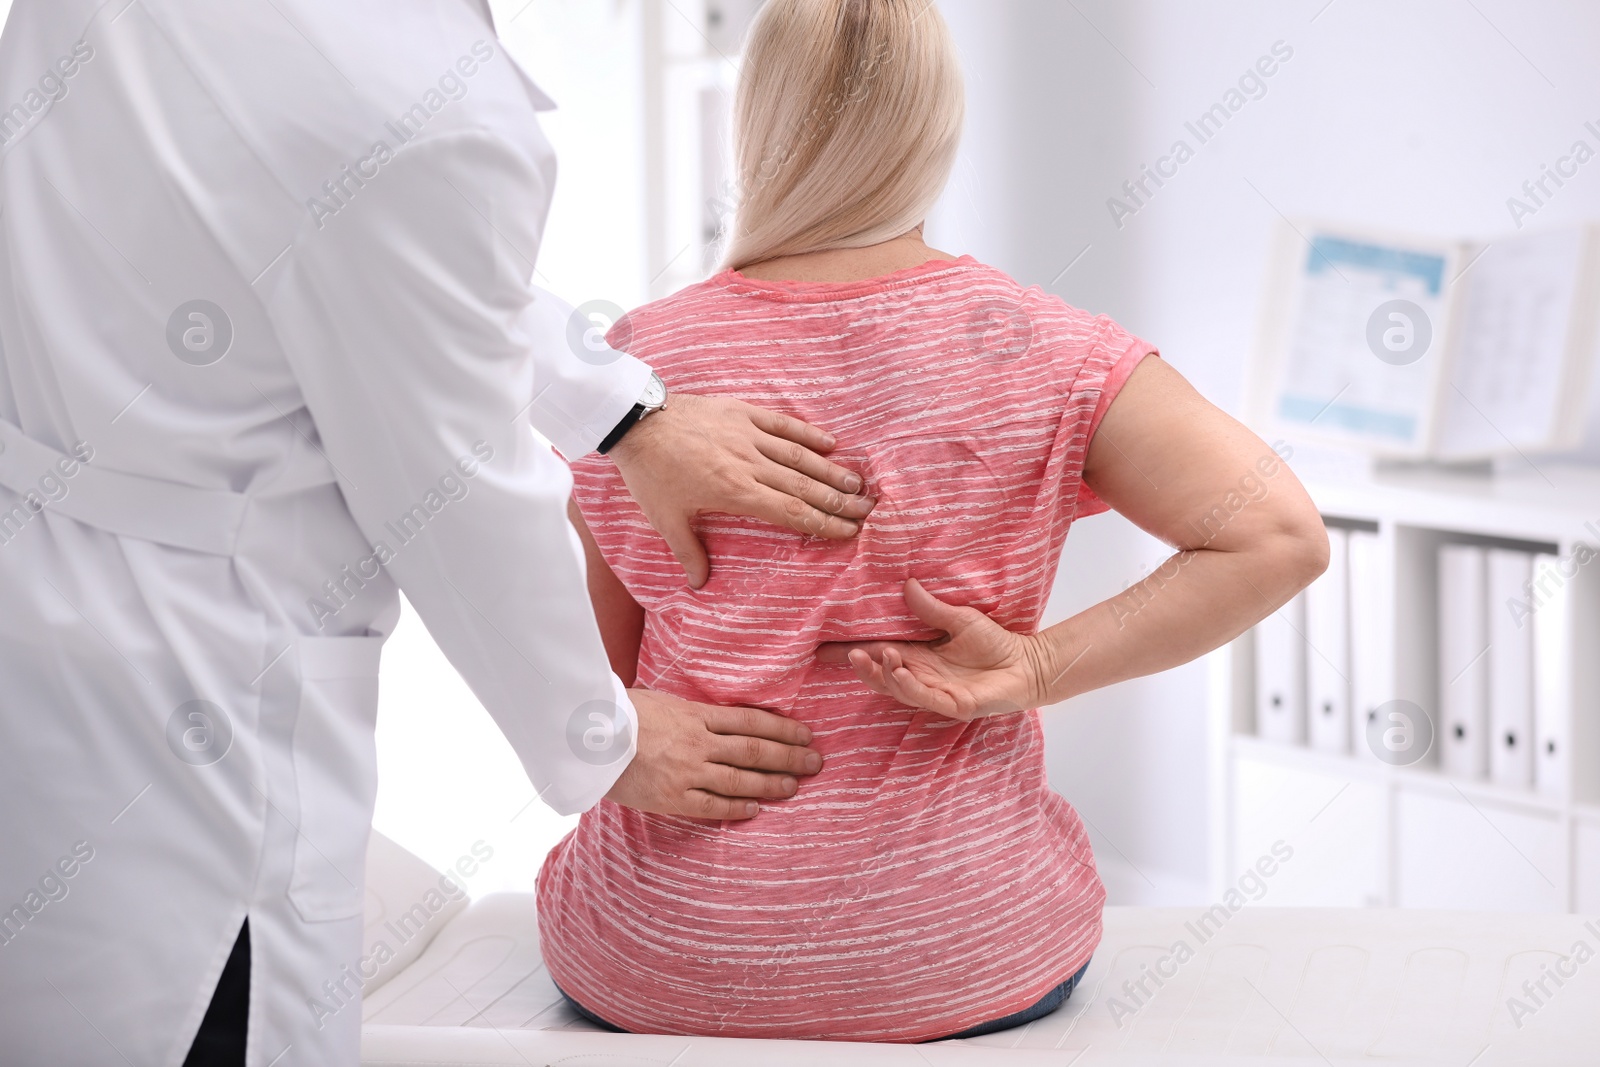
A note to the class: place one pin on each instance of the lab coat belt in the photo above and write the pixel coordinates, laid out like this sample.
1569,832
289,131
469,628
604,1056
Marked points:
131,505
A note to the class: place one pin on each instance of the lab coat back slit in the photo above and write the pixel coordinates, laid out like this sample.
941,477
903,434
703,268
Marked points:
255,375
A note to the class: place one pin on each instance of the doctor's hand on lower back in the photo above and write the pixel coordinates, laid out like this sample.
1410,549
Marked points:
706,762
704,454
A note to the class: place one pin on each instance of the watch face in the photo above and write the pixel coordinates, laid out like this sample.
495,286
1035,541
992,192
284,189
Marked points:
655,393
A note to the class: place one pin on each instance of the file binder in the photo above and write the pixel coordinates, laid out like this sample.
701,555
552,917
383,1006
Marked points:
1370,652
1552,689
1464,660
1281,674
1328,651
1510,669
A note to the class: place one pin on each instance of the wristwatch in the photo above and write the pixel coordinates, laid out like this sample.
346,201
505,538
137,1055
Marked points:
653,400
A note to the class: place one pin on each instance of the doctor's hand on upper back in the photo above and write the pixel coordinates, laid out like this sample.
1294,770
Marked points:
978,668
715,454
707,762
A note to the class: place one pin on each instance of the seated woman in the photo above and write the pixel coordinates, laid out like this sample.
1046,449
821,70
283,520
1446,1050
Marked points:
927,882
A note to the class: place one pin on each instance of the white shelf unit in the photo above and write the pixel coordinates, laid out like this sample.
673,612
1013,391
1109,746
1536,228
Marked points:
1367,834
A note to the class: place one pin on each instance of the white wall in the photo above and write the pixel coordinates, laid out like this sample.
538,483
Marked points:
1422,116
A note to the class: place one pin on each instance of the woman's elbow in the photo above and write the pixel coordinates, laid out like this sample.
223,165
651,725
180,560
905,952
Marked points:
1298,547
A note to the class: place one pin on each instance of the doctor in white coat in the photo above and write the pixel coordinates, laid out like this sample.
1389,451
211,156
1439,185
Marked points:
269,351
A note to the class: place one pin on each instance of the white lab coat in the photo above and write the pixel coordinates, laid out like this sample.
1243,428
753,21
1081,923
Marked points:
195,498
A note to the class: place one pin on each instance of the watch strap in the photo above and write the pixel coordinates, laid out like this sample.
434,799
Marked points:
629,421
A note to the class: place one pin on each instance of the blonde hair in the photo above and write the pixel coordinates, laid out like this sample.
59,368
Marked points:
846,125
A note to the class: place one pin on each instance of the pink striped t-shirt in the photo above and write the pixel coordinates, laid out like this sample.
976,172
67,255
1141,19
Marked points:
928,879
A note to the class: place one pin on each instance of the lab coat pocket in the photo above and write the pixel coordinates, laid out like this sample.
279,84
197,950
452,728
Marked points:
336,774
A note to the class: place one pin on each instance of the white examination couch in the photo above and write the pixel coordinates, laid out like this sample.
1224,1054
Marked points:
1273,986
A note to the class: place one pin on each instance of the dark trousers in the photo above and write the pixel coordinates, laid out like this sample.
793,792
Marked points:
221,1039
1052,1000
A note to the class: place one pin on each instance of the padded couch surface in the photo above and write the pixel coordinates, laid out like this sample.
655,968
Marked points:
1263,987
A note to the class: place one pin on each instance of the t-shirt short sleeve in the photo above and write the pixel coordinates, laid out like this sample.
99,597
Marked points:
1115,354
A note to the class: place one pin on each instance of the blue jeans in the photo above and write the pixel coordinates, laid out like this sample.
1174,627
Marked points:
1051,1001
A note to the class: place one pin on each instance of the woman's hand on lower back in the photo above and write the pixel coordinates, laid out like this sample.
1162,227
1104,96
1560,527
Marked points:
978,668
705,762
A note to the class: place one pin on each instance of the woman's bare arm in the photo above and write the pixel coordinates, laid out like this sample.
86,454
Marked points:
1247,536
620,617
